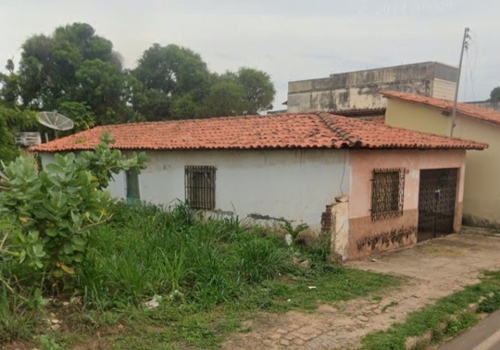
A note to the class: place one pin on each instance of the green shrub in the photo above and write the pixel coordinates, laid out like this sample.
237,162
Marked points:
46,215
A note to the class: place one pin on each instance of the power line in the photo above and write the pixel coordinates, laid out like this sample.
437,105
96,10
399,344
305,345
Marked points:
464,90
469,70
469,78
473,62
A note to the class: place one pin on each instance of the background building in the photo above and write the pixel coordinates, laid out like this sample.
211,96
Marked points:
360,89
473,122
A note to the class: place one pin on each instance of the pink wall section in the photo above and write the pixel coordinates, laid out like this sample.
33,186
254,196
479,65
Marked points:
364,161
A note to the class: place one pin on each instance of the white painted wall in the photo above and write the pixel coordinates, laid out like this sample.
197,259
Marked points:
118,186
47,158
293,184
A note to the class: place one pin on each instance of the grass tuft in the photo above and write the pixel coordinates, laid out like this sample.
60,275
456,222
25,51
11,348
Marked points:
449,309
207,277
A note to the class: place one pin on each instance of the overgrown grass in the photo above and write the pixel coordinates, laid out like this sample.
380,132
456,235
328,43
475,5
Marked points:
208,276
449,309
157,253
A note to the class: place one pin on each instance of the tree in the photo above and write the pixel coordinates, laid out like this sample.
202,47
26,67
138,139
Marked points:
495,94
8,149
12,120
178,85
184,107
227,97
46,215
75,71
9,92
248,91
73,65
259,90
80,113
168,74
101,87
173,70
155,106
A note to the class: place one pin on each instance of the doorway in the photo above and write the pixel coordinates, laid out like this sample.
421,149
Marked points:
436,202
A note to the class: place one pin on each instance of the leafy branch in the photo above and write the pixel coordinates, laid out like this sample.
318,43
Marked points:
48,214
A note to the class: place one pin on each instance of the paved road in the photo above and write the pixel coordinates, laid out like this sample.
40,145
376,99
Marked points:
484,336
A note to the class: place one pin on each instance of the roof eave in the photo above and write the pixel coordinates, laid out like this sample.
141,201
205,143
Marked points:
343,146
388,95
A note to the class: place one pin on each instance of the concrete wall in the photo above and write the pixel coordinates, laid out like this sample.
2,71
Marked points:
360,89
482,186
444,89
293,184
339,235
47,158
367,236
482,189
415,116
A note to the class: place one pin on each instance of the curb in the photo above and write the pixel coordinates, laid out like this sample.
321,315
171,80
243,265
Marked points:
413,343
482,234
480,231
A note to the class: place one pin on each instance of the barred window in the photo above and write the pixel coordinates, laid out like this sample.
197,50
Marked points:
200,187
387,193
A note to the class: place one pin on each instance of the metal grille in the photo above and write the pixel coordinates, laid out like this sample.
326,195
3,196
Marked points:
437,200
388,190
200,187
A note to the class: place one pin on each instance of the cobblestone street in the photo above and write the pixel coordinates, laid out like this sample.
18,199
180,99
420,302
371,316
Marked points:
432,270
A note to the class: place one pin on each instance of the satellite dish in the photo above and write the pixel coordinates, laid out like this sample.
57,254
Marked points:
56,121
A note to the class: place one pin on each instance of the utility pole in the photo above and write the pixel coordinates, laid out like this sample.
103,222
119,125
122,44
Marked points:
465,46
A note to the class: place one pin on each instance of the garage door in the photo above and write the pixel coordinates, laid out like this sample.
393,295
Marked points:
437,201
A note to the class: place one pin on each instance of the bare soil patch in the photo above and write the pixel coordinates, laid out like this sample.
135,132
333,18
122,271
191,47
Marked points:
433,270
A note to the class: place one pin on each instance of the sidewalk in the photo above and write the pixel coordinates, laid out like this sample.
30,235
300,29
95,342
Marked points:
483,336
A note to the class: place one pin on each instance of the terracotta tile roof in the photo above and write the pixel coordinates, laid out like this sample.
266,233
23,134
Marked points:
375,115
361,112
466,109
377,119
313,130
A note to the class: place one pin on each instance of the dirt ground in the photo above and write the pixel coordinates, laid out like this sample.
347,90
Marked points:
432,269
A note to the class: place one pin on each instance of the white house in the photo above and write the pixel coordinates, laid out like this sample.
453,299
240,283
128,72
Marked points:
293,166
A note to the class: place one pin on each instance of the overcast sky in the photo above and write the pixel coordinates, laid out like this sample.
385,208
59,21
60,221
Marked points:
289,39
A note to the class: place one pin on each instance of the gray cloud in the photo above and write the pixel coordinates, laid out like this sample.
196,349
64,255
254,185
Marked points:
289,39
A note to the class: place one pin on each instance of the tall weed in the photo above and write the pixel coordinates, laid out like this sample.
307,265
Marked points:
209,273
16,320
147,250
259,260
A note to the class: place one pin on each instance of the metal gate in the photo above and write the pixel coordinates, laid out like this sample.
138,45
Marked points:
436,201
